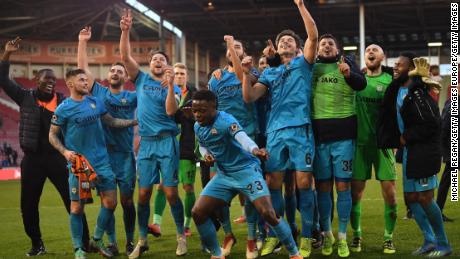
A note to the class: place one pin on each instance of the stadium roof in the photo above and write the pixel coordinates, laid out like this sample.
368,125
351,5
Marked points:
63,19
396,25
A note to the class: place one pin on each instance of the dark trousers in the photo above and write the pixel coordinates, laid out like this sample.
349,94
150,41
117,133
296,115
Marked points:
444,186
35,169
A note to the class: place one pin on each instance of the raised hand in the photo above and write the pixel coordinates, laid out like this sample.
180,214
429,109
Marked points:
247,64
270,50
168,78
299,2
85,34
126,20
260,153
344,68
12,45
230,41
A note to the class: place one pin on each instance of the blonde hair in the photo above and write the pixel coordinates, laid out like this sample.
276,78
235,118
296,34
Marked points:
180,65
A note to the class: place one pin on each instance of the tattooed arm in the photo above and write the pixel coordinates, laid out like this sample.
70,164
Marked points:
117,123
57,144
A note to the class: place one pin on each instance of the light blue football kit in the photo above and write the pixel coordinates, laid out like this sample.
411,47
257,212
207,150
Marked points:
159,148
290,139
120,140
80,122
238,172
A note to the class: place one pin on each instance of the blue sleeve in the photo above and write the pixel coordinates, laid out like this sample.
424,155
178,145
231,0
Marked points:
303,63
98,90
196,126
212,84
233,126
263,79
101,105
133,99
140,79
59,117
307,64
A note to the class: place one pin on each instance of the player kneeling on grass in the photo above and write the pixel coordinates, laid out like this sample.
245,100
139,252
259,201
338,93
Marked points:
222,140
79,117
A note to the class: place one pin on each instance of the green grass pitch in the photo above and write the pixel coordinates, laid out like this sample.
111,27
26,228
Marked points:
55,228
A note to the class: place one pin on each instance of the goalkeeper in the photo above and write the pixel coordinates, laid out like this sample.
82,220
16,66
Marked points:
368,102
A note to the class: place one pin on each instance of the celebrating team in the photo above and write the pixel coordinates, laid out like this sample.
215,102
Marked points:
326,124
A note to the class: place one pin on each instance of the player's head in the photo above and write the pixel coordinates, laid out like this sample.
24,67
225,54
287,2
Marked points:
434,70
158,62
180,74
263,64
204,107
373,57
77,81
117,75
287,43
46,81
403,65
239,49
328,47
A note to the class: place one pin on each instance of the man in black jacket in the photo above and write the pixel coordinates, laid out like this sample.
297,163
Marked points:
410,118
36,109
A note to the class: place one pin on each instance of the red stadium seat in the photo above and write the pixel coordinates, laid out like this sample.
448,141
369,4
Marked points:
9,132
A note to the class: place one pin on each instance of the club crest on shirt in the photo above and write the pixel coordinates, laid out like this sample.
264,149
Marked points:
74,190
214,131
379,88
93,105
123,100
234,127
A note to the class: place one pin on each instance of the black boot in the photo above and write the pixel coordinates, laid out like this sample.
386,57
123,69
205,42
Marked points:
38,248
